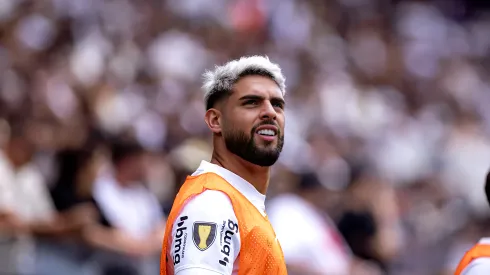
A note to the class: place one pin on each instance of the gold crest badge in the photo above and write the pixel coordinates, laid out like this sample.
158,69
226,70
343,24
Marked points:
204,234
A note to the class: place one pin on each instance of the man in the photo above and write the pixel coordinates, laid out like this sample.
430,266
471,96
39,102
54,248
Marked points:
218,223
477,260
132,221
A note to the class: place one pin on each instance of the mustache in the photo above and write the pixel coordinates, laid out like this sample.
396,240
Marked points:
267,122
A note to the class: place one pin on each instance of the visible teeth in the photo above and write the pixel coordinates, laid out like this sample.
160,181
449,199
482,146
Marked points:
266,132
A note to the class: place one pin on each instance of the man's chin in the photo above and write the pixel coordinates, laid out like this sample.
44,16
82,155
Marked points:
265,159
267,164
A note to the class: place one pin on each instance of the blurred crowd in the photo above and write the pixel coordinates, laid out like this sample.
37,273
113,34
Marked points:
101,119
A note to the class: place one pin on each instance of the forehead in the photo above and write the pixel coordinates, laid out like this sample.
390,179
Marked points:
256,85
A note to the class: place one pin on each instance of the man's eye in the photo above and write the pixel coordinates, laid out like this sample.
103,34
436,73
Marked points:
250,102
278,105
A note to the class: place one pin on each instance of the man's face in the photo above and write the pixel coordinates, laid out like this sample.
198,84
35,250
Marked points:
22,151
134,167
253,120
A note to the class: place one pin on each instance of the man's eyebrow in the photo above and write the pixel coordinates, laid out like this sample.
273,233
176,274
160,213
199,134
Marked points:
249,97
278,100
257,97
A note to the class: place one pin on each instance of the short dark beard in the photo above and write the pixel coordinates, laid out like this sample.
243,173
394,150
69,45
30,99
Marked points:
244,146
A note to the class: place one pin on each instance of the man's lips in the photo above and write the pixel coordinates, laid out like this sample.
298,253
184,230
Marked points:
267,132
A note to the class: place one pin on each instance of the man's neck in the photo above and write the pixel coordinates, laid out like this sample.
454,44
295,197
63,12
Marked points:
256,175
121,179
11,159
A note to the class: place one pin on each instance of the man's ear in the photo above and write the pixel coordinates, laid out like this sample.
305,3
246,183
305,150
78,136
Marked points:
213,120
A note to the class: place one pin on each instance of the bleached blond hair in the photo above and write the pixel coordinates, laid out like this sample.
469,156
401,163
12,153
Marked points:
222,79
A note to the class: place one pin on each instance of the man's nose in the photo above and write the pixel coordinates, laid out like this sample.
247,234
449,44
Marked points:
268,111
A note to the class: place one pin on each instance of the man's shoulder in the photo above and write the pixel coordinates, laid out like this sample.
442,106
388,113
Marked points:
204,178
205,234
477,259
213,198
210,204
480,266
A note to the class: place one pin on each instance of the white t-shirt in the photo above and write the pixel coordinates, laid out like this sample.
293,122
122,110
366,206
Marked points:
134,209
307,237
211,214
24,192
480,266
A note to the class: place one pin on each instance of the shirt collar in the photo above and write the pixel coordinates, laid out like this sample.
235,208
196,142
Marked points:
243,186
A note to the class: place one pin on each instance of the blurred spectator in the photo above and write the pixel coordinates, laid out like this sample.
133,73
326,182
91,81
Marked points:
132,224
308,237
371,222
71,194
27,211
78,169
